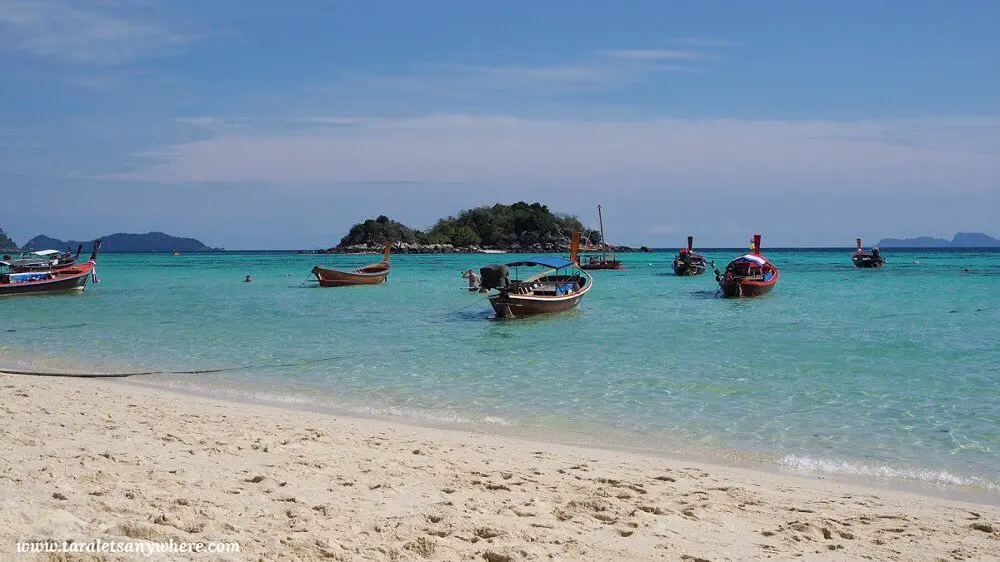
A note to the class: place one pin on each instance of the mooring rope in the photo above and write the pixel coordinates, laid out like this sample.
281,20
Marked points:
470,305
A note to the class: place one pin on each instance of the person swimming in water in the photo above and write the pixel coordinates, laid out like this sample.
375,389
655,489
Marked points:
473,280
248,280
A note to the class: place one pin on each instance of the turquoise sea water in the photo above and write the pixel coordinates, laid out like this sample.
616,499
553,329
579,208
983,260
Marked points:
892,372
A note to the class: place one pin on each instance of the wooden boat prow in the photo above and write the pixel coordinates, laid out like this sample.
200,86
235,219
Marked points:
545,293
372,274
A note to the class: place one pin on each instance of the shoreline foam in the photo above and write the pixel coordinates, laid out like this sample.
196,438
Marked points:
933,482
90,458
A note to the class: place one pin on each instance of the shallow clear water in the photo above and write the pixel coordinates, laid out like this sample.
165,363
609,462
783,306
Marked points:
888,372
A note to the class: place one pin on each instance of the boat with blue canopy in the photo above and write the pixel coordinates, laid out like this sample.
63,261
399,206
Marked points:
561,287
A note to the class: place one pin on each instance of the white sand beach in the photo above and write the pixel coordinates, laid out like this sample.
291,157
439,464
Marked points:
86,459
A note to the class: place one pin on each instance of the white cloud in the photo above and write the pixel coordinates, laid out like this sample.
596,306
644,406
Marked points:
656,54
210,123
777,156
607,70
93,34
705,42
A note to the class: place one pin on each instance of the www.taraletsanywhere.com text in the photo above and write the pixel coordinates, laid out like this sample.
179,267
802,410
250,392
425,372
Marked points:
142,548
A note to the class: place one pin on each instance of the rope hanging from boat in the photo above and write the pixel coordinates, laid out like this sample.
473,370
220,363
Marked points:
187,372
474,303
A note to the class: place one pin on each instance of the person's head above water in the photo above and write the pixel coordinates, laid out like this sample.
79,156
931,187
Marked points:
248,279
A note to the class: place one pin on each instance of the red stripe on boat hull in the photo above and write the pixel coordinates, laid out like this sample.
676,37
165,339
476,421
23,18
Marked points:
64,283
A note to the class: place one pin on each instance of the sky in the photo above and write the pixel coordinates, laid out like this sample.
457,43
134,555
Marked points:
265,125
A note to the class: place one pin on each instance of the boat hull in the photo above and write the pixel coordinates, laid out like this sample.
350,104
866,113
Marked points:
604,265
688,269
867,262
61,284
335,278
744,288
507,305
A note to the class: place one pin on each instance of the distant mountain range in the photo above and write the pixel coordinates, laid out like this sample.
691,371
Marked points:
123,242
961,240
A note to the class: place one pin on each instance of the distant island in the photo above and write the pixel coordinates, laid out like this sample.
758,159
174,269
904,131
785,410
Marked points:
961,240
124,243
520,227
5,241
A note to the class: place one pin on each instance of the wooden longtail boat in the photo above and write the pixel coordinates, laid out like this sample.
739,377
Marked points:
42,260
688,262
750,275
373,274
72,277
867,260
606,260
559,288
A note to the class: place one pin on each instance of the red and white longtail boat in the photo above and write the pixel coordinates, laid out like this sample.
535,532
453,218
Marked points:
72,277
750,275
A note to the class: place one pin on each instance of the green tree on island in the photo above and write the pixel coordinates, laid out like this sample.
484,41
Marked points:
379,231
499,226
502,226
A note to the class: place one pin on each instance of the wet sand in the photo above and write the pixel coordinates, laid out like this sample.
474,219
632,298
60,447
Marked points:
85,459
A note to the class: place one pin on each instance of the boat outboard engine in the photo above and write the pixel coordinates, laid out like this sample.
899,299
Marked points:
494,277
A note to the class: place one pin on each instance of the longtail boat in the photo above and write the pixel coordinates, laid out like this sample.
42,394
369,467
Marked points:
605,260
868,260
688,262
372,274
561,287
71,277
750,275
42,260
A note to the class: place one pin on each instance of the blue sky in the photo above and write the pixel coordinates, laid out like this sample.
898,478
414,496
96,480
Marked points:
267,125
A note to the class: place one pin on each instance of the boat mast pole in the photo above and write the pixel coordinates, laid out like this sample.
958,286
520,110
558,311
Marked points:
600,220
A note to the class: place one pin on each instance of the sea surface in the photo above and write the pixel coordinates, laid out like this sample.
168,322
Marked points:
891,373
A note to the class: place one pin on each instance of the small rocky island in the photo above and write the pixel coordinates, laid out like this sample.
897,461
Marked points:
521,227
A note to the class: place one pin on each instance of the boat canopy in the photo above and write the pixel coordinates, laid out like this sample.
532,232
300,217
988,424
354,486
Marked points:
547,261
46,252
756,259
